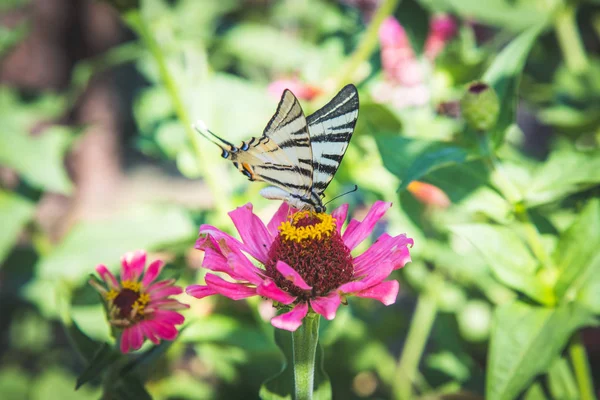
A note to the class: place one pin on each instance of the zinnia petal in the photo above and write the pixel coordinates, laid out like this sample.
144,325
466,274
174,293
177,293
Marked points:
125,335
136,337
327,305
107,277
133,264
170,317
291,275
291,320
375,276
199,291
253,232
152,272
280,216
270,290
210,235
242,268
165,292
163,330
146,328
356,231
340,215
385,249
386,292
234,291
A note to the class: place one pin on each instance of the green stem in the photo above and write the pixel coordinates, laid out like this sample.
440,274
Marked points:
582,368
565,25
305,340
368,43
418,333
136,21
513,195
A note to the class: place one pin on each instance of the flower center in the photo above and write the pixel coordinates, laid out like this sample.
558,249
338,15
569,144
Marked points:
310,243
128,303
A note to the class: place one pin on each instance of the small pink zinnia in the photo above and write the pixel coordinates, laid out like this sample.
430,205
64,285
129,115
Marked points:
306,258
141,308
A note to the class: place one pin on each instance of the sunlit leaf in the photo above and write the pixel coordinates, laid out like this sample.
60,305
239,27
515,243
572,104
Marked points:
15,212
510,260
525,340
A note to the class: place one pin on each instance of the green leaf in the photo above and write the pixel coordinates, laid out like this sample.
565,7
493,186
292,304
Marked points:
561,381
525,340
87,347
510,260
281,386
102,360
577,248
107,240
504,75
410,159
40,158
375,119
589,294
15,212
565,172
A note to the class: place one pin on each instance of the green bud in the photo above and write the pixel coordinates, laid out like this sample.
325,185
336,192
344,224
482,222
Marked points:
123,5
480,106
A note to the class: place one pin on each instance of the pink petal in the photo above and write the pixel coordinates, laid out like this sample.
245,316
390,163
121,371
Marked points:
211,235
375,276
215,261
356,231
280,216
385,249
386,292
170,317
292,320
152,272
107,277
125,338
160,285
166,304
340,215
162,330
326,306
270,290
133,264
291,275
234,291
242,269
253,232
199,291
145,326
165,292
136,337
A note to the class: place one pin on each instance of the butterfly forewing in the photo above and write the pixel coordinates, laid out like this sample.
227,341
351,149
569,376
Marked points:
330,130
284,149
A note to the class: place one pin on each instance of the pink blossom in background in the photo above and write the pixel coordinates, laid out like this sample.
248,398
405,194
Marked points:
306,261
301,90
138,305
442,28
398,59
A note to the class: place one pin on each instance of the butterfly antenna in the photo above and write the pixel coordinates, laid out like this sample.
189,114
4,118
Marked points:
343,194
202,129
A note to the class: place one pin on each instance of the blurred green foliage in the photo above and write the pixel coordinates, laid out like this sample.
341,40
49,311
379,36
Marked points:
504,276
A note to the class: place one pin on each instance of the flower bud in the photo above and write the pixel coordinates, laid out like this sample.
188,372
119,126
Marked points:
480,106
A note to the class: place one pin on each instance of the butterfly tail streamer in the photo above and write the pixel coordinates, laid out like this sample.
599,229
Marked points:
226,147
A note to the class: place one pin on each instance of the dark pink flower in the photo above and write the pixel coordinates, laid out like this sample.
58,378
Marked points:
398,59
142,308
441,29
306,261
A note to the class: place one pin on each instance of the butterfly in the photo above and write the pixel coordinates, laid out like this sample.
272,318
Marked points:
297,155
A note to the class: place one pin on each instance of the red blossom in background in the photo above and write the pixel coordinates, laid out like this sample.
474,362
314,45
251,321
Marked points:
301,90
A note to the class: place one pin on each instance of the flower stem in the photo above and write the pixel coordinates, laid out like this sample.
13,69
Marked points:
368,43
418,333
136,21
582,368
565,25
305,340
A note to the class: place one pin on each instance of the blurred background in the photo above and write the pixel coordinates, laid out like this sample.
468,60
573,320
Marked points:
97,157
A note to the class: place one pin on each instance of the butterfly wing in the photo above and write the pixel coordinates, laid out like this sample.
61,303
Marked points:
331,129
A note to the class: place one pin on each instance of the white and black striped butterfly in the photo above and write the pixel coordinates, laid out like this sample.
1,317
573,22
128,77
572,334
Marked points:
295,154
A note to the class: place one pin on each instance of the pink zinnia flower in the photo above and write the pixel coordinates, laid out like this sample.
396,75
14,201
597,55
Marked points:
398,59
306,258
141,308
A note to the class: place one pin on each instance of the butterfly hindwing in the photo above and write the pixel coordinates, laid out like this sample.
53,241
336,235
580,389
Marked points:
331,129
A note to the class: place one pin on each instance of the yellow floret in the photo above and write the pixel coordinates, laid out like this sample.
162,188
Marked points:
324,228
